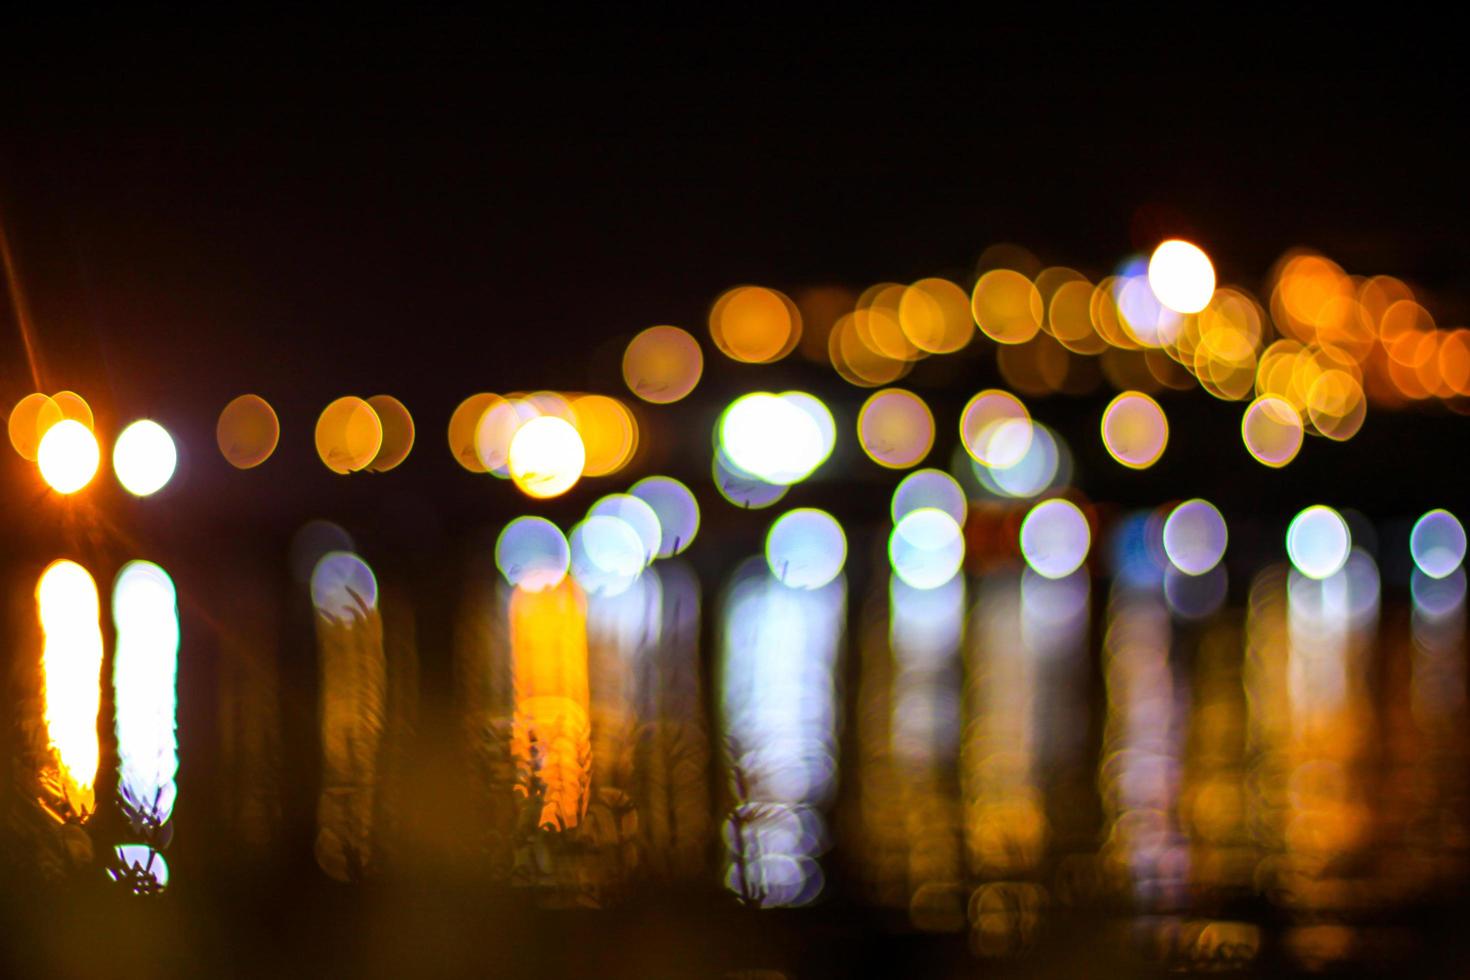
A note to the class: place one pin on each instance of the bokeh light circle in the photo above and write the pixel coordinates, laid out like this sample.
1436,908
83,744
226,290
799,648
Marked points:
609,433
995,428
247,431
676,509
637,514
29,421
608,555
895,428
1437,543
1135,431
929,488
754,324
805,548
464,425
348,435
662,364
1195,537
1181,276
144,458
775,438
68,456
1318,541
1055,538
1272,430
1031,475
740,488
532,554
926,548
398,433
343,587
546,457
1007,306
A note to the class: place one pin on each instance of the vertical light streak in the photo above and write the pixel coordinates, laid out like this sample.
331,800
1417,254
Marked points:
778,695
551,729
144,668
349,633
71,665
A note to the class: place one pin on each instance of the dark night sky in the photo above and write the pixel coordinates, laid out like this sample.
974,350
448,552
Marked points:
458,203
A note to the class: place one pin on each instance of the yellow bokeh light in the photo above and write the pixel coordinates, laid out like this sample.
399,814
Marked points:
348,435
71,666
934,315
463,424
609,433
1181,276
247,431
546,457
858,363
73,406
1006,306
662,364
895,428
1272,430
144,458
1135,430
1069,318
754,324
29,420
497,427
1336,406
398,432
68,456
995,428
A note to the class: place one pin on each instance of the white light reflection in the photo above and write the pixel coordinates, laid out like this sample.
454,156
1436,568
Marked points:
145,613
779,655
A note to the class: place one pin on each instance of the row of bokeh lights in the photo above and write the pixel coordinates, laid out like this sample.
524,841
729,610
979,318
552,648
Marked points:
57,432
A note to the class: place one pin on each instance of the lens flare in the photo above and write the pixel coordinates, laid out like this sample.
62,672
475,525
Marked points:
1195,537
1318,542
546,457
532,554
1272,431
144,668
995,428
929,488
1135,430
68,456
71,665
1437,543
806,548
1055,538
676,509
247,431
144,458
895,428
926,548
1181,276
662,364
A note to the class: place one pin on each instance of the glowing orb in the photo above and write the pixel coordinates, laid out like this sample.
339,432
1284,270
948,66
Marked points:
68,456
343,587
1181,276
1437,543
926,548
995,428
247,431
29,421
806,548
144,458
608,555
348,435
637,514
676,509
779,439
662,364
1055,538
1318,542
1134,430
1029,476
1272,430
546,457
895,428
929,488
532,554
1195,537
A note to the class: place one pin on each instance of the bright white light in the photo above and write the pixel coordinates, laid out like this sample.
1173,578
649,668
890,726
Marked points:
1181,276
776,438
806,548
1055,538
926,548
546,456
71,662
145,613
1195,537
68,456
608,555
144,458
1438,543
1318,542
637,514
